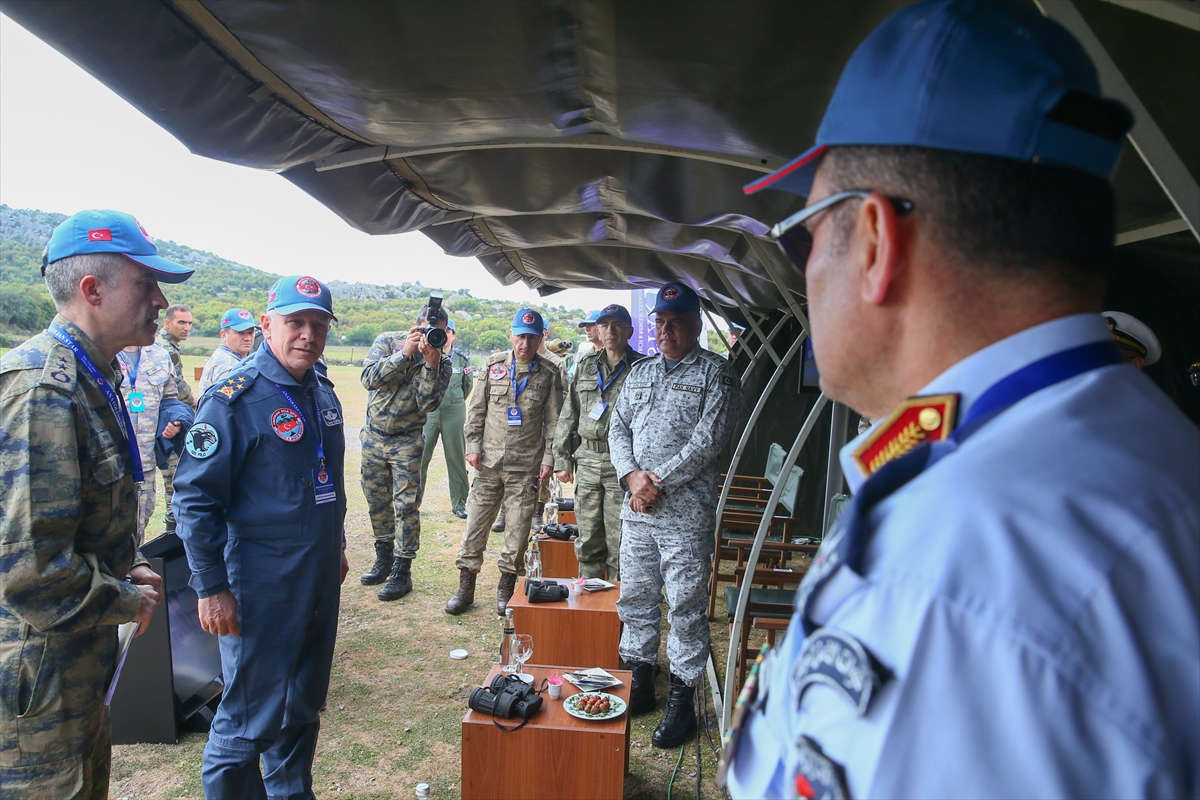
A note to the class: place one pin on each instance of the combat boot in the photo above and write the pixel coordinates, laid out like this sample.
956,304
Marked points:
504,591
679,720
383,564
536,523
464,598
399,582
498,525
641,691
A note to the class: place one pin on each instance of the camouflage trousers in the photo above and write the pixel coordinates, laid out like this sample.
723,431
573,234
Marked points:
168,476
147,496
598,499
54,731
517,492
654,558
391,482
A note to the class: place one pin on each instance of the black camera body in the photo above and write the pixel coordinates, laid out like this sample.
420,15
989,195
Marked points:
507,697
545,591
434,313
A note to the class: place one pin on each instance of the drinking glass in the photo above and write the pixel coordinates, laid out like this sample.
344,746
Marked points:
524,651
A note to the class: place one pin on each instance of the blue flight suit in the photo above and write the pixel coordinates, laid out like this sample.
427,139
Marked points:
248,515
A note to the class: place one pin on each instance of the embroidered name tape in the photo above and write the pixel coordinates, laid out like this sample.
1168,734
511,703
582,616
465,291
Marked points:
683,387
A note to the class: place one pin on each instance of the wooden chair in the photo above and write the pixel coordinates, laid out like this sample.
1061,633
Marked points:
768,609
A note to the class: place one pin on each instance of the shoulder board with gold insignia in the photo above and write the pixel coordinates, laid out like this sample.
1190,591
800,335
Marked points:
916,420
234,385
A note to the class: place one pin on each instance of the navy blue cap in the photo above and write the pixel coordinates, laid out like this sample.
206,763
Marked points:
103,231
677,298
239,319
975,76
591,319
614,310
299,293
526,320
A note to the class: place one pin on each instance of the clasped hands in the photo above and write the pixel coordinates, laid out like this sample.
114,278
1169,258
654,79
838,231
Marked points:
643,490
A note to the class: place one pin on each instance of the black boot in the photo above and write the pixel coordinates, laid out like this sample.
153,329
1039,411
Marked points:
641,691
504,591
383,564
498,525
399,583
464,598
679,720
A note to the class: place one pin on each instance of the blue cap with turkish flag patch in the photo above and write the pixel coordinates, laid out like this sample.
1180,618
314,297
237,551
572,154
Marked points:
102,231
975,76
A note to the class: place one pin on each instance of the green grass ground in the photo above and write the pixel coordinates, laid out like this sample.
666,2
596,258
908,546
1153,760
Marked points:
396,700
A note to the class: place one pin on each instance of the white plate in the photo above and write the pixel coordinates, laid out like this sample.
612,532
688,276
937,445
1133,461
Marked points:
459,654
616,706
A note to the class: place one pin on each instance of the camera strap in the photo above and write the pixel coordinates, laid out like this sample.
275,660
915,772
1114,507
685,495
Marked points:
524,722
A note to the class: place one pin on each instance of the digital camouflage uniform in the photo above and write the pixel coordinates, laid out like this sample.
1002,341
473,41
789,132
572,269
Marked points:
222,362
447,420
402,393
543,487
68,518
581,447
168,343
510,456
156,382
673,424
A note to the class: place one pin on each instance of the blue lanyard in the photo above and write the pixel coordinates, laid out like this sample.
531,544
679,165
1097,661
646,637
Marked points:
600,375
114,400
227,350
848,542
131,367
317,430
518,389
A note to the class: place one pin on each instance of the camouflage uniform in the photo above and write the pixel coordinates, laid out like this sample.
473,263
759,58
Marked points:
510,454
673,424
168,343
222,362
447,420
155,380
543,487
68,517
581,446
402,393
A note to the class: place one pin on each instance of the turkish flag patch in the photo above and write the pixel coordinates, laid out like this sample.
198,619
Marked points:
100,235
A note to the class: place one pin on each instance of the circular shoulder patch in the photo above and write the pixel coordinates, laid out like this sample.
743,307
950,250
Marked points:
498,372
202,440
591,368
287,425
308,287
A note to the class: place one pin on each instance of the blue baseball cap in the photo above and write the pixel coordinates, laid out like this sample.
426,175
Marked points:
526,320
238,319
102,231
299,293
450,324
677,298
976,76
614,310
592,319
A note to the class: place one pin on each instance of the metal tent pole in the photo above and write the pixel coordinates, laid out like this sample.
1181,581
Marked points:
739,616
833,476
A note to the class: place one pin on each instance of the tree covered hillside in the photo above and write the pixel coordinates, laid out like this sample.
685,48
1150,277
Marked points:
363,310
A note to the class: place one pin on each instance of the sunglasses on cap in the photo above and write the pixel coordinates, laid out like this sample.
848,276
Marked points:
796,239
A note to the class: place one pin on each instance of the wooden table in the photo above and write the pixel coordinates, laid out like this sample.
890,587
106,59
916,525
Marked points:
554,757
583,630
558,558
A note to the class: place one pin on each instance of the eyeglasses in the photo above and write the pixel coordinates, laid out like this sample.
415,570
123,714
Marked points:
795,237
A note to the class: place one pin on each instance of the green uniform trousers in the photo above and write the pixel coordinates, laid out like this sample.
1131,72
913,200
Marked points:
517,492
391,482
168,476
448,421
598,500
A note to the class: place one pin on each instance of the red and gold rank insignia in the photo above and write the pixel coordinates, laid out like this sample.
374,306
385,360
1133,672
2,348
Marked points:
916,420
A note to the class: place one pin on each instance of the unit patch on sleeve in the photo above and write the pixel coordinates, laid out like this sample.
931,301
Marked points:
202,440
837,660
817,775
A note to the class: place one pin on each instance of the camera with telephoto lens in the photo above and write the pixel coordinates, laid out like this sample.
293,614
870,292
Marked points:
507,697
545,591
435,337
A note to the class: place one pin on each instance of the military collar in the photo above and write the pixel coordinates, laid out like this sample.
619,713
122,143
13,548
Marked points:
269,367
690,358
113,367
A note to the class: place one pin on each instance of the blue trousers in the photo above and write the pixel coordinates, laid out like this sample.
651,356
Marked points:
277,672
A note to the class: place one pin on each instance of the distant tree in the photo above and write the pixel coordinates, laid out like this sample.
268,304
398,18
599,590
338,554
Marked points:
492,340
361,336
23,311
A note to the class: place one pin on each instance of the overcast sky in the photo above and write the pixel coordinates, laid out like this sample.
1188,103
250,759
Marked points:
68,143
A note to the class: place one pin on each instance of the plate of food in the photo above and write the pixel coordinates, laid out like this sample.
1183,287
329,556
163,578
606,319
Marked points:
594,705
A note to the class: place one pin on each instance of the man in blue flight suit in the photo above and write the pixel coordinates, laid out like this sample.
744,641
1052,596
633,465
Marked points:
261,504
1009,605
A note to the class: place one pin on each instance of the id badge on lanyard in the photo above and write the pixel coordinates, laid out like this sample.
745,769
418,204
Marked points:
598,410
137,402
514,416
514,411
324,489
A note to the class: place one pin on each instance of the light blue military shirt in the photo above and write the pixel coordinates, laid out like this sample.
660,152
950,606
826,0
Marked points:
1032,599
